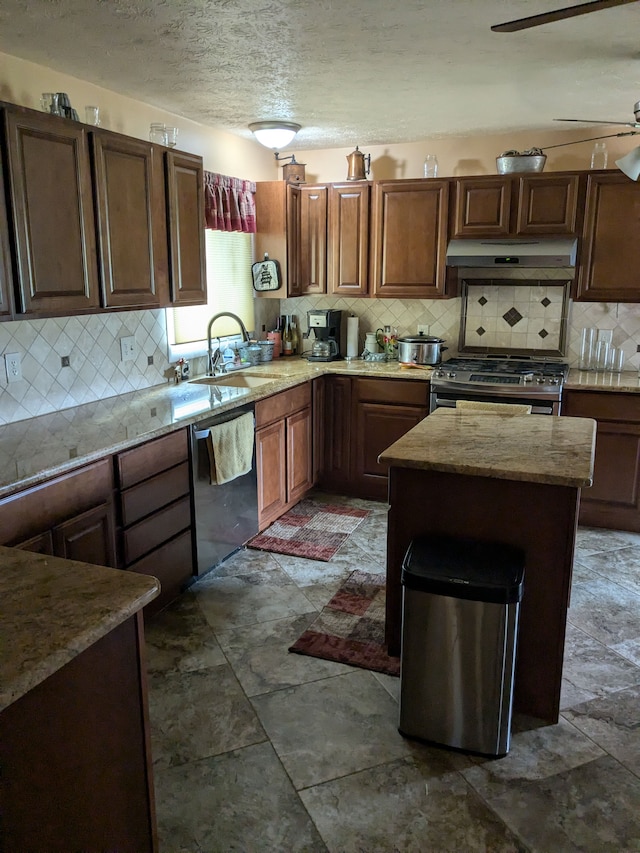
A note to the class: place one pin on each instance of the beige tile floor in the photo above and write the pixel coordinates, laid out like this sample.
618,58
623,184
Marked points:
257,749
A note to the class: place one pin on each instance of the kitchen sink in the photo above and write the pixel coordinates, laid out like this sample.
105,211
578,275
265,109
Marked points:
235,381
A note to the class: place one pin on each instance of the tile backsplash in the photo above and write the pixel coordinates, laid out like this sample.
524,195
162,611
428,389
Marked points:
91,344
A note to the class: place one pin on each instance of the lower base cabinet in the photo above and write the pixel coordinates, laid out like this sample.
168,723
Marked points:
283,451
614,499
75,755
362,418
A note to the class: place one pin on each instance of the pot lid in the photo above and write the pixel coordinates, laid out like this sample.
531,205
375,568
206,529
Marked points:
420,338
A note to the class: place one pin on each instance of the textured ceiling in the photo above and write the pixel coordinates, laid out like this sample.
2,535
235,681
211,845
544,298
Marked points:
377,72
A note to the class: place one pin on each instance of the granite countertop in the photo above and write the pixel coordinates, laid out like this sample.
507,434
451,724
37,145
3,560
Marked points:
530,448
52,609
43,447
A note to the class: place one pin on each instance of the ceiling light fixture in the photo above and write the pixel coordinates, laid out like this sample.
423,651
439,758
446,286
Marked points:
630,164
274,134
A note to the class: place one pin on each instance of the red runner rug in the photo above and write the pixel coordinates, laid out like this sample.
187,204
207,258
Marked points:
311,529
350,628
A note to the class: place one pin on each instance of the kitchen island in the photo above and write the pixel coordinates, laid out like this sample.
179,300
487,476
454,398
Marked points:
74,737
499,478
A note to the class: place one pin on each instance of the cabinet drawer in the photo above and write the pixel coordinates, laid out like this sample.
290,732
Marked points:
283,404
403,391
153,494
153,531
172,565
602,405
151,458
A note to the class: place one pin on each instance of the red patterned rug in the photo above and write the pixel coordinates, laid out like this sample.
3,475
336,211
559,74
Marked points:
350,629
311,529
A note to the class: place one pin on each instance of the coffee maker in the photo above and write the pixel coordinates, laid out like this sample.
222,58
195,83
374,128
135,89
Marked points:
325,325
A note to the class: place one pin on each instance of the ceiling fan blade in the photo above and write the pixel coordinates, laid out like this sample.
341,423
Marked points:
595,121
558,15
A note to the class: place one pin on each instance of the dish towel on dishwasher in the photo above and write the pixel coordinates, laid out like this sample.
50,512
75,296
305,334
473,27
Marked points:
478,407
230,447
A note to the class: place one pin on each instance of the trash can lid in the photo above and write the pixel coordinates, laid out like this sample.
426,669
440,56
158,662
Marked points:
465,568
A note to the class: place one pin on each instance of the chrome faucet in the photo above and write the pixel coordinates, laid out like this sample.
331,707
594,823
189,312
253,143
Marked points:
213,360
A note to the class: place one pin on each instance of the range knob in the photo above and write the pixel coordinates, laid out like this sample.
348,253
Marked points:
439,373
541,380
451,374
554,380
528,377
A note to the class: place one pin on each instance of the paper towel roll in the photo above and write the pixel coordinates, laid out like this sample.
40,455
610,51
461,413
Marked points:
352,337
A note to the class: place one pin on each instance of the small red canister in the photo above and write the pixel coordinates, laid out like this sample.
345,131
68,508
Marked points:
276,337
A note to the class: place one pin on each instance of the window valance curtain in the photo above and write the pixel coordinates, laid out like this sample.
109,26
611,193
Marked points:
229,203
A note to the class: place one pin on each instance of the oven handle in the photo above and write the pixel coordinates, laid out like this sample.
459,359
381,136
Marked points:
544,409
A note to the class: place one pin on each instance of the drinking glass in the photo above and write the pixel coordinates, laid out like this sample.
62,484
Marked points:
171,134
49,102
599,156
431,166
157,133
602,355
92,116
587,344
616,359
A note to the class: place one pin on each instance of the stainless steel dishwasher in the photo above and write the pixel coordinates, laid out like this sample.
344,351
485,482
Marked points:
226,516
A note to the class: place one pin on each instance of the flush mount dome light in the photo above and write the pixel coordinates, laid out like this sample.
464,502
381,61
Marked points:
274,134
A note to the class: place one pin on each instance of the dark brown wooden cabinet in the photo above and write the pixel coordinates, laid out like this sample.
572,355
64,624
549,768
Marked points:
278,233
155,514
348,228
93,219
70,516
503,206
384,410
51,208
185,211
610,257
409,238
614,499
132,234
335,471
284,460
6,271
313,239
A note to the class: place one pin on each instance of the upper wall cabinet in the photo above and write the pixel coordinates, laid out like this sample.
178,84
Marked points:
132,236
185,198
91,214
502,206
610,246
409,238
6,301
348,229
51,208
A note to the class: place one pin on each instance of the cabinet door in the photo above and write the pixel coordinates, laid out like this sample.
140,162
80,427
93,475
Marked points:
299,458
313,240
378,425
185,201
610,260
337,434
547,204
319,417
88,537
131,227
409,227
482,207
271,230
52,213
271,472
294,240
348,252
6,277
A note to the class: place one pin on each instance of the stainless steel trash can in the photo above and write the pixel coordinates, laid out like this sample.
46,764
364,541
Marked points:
460,608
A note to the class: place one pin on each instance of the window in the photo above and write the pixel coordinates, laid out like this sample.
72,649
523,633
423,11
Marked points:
229,255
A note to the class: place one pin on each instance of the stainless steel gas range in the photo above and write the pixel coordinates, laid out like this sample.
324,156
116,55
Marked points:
499,379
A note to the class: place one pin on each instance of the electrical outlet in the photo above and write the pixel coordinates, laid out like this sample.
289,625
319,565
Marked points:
13,366
605,335
423,329
128,348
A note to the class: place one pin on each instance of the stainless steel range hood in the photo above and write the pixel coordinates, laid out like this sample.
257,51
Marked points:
523,252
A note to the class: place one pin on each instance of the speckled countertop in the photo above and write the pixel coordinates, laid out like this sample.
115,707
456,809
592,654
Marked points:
52,609
530,448
35,450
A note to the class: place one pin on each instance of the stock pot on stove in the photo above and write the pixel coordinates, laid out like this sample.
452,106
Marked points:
420,349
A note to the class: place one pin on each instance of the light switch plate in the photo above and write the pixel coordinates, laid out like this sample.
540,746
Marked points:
128,348
423,328
605,335
13,366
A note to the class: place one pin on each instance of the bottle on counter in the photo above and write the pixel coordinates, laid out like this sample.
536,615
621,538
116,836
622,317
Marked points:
287,337
295,338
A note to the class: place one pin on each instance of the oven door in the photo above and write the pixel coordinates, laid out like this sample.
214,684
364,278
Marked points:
541,404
